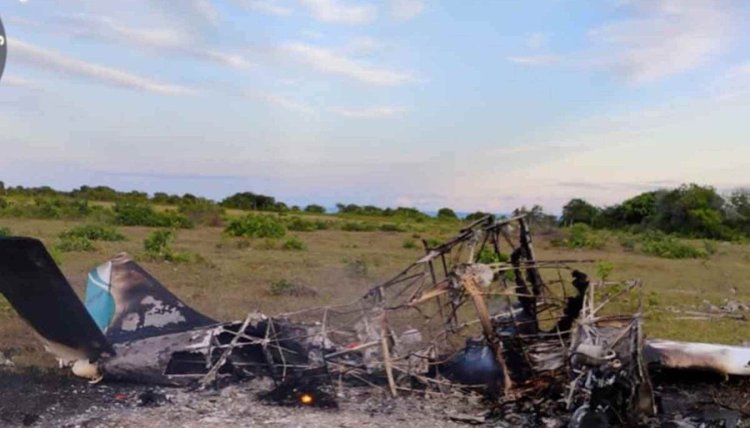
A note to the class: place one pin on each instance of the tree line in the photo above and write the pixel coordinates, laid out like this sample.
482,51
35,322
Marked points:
690,210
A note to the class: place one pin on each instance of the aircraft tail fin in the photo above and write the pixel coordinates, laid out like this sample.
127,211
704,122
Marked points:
127,303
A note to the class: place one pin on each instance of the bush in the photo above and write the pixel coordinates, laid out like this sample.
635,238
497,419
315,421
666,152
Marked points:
353,226
4,231
314,208
202,212
298,224
488,255
285,288
158,246
141,214
280,287
391,227
582,236
604,269
256,226
659,244
94,233
409,244
628,242
293,244
75,243
446,214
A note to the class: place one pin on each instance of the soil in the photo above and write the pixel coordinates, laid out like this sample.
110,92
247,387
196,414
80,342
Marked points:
32,397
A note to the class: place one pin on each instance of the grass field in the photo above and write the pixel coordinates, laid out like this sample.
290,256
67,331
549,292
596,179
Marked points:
233,276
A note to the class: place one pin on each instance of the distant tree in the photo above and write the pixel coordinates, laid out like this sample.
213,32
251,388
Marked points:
536,216
476,215
348,208
2,188
316,209
692,210
250,201
738,210
446,214
579,211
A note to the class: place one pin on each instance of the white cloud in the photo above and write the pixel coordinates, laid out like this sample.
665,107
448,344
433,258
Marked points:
335,11
271,7
49,60
328,61
536,40
406,9
191,14
288,103
370,112
167,40
535,59
363,45
18,82
663,38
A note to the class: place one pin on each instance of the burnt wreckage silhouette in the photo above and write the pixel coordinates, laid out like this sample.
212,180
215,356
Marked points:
473,313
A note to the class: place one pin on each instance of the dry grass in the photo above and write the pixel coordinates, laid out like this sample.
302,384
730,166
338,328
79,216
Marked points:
234,276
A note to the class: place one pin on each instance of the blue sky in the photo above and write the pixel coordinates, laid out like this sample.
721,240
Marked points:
469,104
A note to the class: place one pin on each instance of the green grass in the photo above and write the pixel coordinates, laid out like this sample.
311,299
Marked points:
341,265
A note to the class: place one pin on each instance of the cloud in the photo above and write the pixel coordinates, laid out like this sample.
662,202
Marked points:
191,14
279,100
334,11
330,62
270,7
363,45
164,40
380,112
535,60
536,40
404,10
733,84
663,38
19,82
288,103
55,62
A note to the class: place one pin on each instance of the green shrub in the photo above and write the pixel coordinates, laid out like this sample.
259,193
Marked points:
433,242
358,266
358,226
604,269
69,244
711,247
52,208
158,246
280,287
409,244
391,227
488,255
4,231
141,214
659,244
256,226
298,224
285,288
582,236
202,212
628,242
293,244
94,233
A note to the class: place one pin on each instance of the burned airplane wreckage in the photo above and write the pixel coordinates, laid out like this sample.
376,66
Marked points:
474,313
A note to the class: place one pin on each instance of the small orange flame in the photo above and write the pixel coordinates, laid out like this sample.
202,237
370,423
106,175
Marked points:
306,399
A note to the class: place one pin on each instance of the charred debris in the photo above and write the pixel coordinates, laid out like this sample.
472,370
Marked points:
476,314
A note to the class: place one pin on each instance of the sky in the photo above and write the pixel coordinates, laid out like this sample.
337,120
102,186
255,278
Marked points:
474,105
